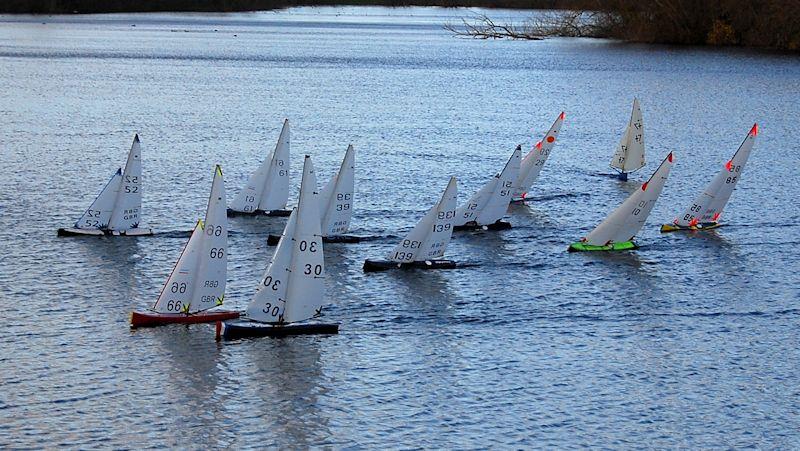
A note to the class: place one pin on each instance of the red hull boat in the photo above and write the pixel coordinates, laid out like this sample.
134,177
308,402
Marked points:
151,319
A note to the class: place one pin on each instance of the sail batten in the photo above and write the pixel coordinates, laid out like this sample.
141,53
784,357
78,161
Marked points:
629,154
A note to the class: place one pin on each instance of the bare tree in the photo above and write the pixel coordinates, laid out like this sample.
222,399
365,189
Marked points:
542,25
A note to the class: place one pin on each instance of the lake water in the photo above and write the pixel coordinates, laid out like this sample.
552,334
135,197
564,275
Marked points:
690,342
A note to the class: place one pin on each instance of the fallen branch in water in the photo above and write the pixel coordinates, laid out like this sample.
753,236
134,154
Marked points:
545,24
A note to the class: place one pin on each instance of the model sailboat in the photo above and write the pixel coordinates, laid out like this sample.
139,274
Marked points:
706,209
486,208
293,287
629,156
197,282
117,209
534,161
336,204
267,189
616,232
425,245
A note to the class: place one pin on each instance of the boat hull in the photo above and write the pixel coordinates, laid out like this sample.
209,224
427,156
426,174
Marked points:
152,319
676,228
69,231
499,225
583,247
230,330
385,265
232,213
272,240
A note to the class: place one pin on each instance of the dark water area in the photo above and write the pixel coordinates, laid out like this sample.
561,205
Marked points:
689,342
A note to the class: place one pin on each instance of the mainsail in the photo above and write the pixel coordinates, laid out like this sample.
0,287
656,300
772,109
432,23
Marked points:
197,281
708,206
629,155
336,199
534,161
128,203
429,238
626,221
267,188
490,203
293,287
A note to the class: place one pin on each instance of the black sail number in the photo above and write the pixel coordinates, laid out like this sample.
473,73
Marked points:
272,283
312,269
310,246
217,252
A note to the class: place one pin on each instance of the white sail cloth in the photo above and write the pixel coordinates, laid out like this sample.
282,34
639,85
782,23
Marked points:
531,166
626,221
197,281
490,203
336,199
708,206
629,155
293,287
267,188
428,239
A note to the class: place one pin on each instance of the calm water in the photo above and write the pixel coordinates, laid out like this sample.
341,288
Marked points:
692,341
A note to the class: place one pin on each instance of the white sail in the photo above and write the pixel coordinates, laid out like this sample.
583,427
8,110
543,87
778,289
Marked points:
336,198
268,187
534,161
429,238
276,190
629,155
268,303
212,270
98,215
626,221
490,203
306,289
248,198
469,211
708,206
197,281
176,296
128,204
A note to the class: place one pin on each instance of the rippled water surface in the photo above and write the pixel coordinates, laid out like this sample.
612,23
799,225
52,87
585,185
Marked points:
691,341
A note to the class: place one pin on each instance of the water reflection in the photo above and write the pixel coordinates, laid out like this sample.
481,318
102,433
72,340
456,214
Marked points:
291,385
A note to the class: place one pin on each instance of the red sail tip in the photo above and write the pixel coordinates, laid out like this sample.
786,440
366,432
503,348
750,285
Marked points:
644,186
693,222
551,139
729,165
539,145
754,130
669,157
562,116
